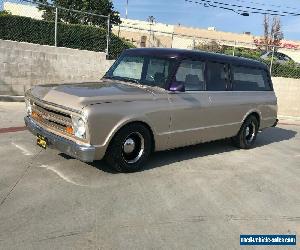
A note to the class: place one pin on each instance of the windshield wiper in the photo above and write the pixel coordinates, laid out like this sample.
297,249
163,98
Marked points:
125,79
108,77
130,80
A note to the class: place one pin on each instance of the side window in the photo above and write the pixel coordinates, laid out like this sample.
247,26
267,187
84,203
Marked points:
249,79
157,71
217,76
191,73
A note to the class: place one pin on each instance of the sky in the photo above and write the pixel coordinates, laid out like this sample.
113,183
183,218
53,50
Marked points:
195,15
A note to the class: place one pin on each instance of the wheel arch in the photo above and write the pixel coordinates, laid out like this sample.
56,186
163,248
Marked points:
256,114
129,122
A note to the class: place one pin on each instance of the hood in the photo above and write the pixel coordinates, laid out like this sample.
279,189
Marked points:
79,95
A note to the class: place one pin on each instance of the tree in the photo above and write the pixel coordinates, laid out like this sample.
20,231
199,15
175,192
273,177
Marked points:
272,33
266,31
276,34
101,7
151,19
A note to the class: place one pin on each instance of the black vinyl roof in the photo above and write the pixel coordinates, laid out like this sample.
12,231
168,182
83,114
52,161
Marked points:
195,54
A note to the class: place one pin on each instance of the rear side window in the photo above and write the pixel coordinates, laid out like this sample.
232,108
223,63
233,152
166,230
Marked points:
191,73
217,76
249,79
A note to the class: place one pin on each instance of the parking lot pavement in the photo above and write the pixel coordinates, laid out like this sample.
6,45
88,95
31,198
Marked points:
11,114
199,197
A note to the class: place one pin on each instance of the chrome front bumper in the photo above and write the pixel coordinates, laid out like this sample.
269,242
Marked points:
68,147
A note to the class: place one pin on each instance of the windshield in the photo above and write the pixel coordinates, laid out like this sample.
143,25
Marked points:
145,70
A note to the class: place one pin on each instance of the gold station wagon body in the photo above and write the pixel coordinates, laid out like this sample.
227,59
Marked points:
153,100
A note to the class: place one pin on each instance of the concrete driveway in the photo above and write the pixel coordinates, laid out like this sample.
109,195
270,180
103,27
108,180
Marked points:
199,197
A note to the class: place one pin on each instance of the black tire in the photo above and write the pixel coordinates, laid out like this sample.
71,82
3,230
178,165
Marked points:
247,135
127,161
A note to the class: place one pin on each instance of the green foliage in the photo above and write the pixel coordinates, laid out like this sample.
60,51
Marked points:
243,52
4,12
24,29
286,70
101,7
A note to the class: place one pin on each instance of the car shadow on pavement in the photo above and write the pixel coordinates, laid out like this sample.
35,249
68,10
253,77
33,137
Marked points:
268,136
272,135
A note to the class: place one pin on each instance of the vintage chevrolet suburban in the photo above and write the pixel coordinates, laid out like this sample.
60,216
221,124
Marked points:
152,100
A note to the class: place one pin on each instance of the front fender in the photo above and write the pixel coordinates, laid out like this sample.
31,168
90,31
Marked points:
123,122
104,120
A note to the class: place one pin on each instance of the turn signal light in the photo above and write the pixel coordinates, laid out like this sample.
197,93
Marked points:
35,115
69,130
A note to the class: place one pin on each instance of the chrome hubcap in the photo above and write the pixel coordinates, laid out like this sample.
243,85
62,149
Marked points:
129,146
247,131
250,132
133,147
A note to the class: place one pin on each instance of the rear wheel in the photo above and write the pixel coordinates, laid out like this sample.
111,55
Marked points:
130,148
247,135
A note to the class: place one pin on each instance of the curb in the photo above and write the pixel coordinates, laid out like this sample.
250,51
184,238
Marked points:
11,98
12,129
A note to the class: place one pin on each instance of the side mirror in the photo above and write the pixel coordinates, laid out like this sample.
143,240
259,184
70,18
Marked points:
177,87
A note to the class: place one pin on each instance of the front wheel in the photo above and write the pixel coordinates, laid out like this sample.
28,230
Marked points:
247,135
130,148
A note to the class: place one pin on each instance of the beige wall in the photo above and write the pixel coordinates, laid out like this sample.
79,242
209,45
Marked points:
288,95
156,40
133,30
144,25
23,65
188,37
211,34
183,36
23,10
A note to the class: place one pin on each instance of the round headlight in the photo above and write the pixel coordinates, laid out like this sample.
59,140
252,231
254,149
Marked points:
79,127
28,107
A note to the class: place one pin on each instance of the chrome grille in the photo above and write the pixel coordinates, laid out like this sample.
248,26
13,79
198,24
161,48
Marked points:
51,117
